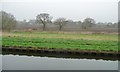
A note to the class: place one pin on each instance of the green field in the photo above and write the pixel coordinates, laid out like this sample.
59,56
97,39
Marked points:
61,40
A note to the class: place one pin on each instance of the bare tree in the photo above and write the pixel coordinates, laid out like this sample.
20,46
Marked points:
8,21
88,23
119,25
43,18
61,22
109,24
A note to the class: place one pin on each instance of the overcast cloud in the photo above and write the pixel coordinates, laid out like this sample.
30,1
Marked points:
100,10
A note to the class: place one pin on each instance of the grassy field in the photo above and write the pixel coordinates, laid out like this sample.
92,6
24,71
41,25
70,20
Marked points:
61,40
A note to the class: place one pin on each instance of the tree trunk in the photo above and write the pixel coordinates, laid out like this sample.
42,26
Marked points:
60,27
43,27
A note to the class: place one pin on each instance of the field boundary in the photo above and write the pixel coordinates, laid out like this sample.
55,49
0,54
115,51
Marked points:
62,51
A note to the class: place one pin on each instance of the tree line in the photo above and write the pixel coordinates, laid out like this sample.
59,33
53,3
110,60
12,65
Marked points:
8,21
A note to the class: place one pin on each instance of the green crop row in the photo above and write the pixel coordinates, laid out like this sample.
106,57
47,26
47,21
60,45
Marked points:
81,44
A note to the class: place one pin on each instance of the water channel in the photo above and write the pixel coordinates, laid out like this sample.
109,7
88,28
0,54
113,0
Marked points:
31,62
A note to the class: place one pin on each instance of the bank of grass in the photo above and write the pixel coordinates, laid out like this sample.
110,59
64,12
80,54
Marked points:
64,35
36,40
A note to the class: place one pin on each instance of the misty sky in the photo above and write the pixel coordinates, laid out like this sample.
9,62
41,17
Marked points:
100,10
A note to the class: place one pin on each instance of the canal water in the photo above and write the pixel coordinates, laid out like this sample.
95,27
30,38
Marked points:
23,62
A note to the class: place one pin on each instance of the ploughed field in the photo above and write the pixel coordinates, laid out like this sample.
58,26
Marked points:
61,40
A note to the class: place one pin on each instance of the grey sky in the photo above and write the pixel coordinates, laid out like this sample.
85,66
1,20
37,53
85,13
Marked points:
100,10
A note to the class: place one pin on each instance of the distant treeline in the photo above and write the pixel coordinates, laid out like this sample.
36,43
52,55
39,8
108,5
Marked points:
44,22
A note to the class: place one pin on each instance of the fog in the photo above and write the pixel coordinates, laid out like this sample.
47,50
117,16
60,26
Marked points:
100,10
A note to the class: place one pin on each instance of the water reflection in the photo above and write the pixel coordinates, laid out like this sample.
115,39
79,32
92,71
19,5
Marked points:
42,61
0,62
67,56
16,62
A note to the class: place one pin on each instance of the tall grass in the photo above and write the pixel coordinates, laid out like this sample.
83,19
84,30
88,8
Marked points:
64,43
